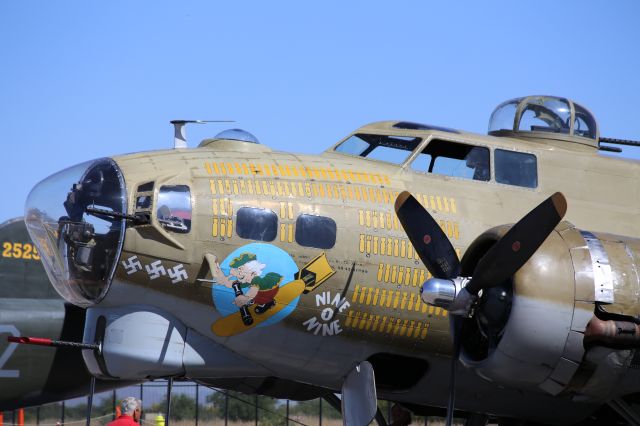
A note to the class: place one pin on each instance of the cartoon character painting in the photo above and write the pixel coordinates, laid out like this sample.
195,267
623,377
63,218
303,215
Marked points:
262,289
259,285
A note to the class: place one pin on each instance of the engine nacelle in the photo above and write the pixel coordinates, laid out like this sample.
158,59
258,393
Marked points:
540,343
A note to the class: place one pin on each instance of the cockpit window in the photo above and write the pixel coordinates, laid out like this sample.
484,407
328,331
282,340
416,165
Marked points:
454,159
516,168
394,149
174,208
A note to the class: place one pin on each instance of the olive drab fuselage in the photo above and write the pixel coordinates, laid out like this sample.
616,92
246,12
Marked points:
272,264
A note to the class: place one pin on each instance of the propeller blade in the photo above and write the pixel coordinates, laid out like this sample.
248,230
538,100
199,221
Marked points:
518,244
426,236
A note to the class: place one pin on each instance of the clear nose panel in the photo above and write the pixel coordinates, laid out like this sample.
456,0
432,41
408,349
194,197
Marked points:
74,217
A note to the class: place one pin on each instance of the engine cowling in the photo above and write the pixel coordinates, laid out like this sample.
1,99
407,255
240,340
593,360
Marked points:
529,332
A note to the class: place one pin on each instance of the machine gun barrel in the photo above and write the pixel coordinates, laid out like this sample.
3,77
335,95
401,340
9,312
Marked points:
620,141
138,219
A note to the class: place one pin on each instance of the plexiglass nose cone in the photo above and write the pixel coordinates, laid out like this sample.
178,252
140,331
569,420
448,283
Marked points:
79,246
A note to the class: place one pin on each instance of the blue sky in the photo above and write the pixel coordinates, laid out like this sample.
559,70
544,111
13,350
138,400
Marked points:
81,80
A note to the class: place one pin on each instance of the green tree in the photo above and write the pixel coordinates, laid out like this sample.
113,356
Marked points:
243,408
104,407
100,408
183,407
329,412
311,408
51,411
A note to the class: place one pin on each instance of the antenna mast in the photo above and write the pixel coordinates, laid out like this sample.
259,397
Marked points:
179,133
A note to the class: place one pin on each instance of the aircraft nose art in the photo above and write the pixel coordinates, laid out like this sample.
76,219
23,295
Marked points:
75,218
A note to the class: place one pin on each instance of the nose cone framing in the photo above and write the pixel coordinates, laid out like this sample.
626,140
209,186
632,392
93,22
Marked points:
72,216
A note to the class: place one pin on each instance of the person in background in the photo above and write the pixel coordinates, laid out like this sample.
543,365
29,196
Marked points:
400,416
131,409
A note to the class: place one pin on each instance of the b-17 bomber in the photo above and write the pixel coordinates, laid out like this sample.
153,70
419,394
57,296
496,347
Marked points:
492,276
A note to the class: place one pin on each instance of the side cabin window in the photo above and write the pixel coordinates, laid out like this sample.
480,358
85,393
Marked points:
393,149
144,196
174,208
256,224
454,159
316,231
516,168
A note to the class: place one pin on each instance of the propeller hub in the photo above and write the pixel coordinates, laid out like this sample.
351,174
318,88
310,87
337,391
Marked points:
442,292
438,292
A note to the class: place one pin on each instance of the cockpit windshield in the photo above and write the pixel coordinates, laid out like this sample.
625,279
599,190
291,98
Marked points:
390,148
